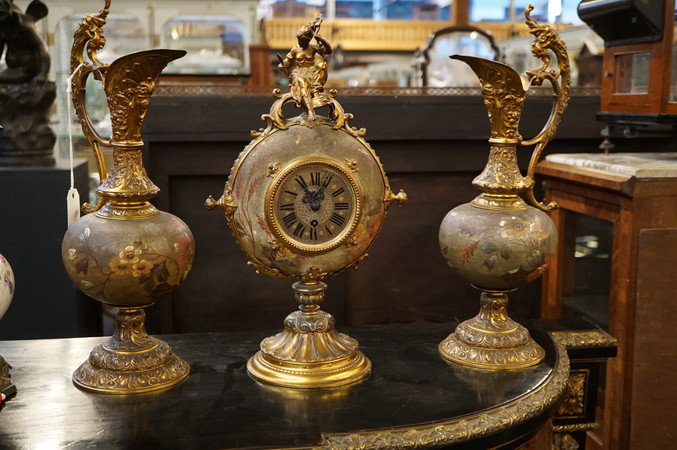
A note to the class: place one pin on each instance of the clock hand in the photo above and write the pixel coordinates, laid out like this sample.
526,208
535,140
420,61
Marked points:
314,199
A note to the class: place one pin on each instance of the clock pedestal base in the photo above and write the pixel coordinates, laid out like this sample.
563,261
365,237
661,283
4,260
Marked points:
309,353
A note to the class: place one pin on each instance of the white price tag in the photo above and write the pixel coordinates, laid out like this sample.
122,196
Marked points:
73,205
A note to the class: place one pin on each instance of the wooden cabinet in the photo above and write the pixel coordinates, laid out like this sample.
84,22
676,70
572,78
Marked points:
622,210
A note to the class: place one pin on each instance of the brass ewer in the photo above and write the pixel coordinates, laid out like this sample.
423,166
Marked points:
124,252
497,241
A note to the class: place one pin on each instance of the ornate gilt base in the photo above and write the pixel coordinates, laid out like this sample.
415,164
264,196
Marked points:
309,353
491,340
131,362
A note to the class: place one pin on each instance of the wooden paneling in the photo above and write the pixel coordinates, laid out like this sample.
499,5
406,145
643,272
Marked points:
655,352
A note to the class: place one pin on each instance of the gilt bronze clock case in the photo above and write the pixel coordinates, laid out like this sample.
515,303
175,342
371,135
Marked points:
305,200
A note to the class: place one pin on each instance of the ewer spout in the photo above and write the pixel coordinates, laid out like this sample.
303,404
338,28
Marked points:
129,85
503,93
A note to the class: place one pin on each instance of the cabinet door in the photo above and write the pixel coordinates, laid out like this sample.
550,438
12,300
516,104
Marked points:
586,268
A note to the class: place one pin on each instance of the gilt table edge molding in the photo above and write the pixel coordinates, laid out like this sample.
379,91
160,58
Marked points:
468,427
587,338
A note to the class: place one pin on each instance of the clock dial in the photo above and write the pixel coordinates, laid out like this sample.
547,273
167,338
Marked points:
314,205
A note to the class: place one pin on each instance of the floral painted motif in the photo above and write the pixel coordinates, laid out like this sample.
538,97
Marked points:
156,274
497,249
8,281
6,285
502,242
7,275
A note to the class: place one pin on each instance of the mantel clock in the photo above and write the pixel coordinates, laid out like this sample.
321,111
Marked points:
305,200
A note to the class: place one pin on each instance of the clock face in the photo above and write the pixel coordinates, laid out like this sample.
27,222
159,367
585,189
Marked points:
313,205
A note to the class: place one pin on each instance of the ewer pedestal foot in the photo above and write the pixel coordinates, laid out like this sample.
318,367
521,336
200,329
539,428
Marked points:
492,340
131,361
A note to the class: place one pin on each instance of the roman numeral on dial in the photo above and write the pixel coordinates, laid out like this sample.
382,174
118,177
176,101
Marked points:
298,231
289,219
299,179
327,179
338,220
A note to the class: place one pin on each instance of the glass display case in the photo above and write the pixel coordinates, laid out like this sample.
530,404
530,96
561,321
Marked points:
216,45
633,73
639,69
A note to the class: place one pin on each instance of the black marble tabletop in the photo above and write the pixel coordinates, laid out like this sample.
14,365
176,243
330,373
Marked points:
413,397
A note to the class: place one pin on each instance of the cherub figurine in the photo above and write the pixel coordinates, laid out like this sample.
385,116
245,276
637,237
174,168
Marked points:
25,53
309,73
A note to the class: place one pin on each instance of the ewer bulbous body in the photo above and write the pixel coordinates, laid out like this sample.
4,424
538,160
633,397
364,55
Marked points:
125,253
7,388
128,263
6,285
497,249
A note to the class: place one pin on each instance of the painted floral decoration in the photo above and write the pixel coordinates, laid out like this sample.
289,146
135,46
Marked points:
6,285
157,274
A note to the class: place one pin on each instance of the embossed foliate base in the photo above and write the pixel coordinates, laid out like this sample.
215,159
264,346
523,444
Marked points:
131,361
309,352
492,340
320,374
520,357
6,386
115,372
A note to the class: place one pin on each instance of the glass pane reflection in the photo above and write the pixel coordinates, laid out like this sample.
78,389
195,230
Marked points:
587,281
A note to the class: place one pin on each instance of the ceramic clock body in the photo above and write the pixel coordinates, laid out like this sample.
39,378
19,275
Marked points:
308,198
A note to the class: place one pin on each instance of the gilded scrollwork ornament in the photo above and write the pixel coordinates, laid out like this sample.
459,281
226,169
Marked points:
573,404
591,338
226,202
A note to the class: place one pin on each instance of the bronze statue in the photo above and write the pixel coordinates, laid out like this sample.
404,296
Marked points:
25,53
26,95
6,386
309,73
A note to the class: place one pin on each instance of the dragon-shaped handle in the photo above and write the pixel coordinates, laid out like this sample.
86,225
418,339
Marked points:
546,39
89,38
